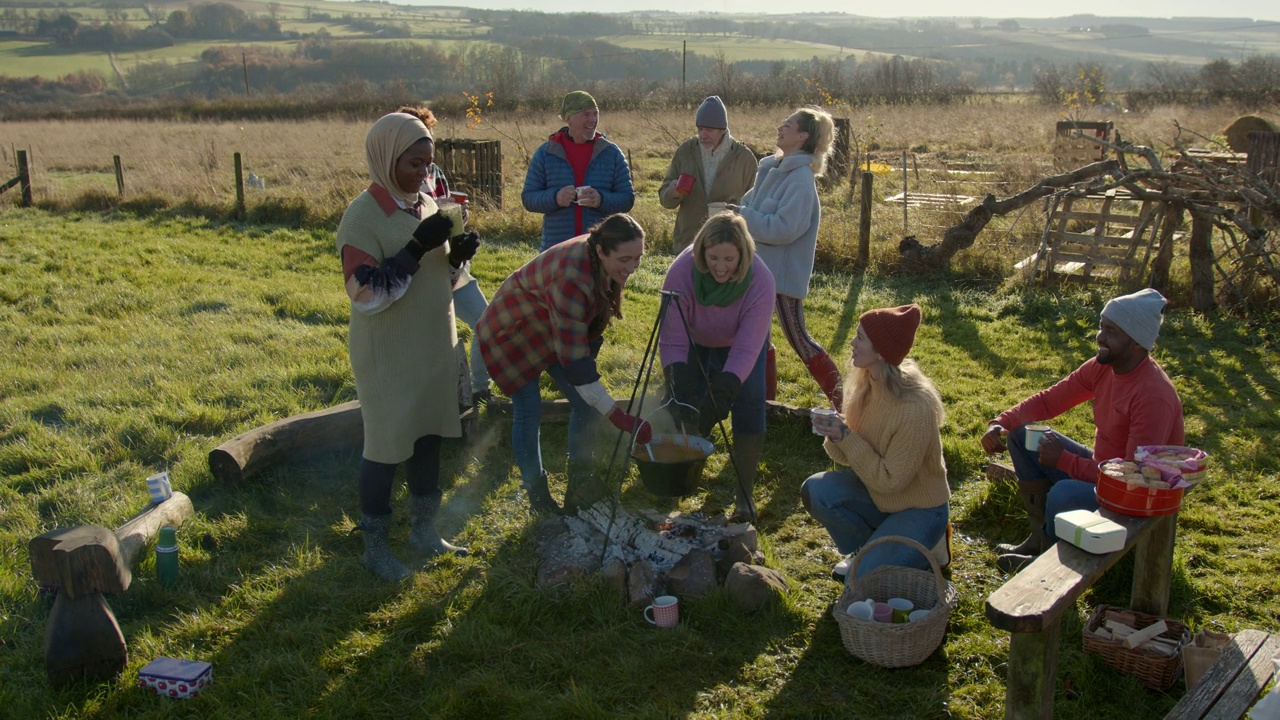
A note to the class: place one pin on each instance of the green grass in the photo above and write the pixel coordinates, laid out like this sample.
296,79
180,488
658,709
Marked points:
139,344
735,48
30,59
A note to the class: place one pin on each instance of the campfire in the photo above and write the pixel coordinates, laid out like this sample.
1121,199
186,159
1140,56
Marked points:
648,554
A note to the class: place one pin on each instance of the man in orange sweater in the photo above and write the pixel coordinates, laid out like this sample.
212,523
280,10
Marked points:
1134,403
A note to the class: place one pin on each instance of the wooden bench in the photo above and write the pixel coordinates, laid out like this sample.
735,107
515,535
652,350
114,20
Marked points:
1234,681
1031,604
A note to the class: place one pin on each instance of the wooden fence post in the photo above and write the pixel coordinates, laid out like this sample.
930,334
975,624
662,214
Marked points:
119,175
1200,252
24,179
1158,278
864,220
905,203
239,188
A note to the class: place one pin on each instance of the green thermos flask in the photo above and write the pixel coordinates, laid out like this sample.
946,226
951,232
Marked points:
167,556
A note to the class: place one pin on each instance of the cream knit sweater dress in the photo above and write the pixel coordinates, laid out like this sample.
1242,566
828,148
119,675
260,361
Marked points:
403,357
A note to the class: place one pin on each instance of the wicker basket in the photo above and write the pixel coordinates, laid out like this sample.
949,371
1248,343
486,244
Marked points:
1153,670
896,644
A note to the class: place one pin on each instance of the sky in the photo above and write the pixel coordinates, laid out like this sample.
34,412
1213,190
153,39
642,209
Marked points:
994,9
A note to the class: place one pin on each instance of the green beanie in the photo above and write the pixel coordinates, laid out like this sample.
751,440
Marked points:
576,102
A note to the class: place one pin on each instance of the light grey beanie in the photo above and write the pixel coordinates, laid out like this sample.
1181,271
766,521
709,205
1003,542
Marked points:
1139,315
712,114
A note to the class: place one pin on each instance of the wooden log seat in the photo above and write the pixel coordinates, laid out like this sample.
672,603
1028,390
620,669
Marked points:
82,638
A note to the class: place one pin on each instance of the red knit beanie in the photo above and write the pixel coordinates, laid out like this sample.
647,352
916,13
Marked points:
892,330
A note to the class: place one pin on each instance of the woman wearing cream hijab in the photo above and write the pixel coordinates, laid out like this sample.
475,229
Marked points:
397,260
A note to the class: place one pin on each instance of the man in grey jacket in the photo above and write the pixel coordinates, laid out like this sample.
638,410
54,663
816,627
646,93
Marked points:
707,172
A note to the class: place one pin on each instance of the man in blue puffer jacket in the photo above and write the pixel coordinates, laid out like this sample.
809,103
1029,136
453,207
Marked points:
577,177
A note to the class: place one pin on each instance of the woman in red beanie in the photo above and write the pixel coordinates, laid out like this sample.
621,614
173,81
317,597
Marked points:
894,481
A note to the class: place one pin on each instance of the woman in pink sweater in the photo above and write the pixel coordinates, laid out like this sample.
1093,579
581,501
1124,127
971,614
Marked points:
714,338
894,481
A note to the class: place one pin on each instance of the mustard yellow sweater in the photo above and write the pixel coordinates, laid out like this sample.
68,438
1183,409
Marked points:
895,448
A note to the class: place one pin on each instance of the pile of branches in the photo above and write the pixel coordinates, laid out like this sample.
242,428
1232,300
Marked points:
1238,201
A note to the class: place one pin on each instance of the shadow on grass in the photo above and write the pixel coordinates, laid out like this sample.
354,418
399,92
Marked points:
290,620
829,681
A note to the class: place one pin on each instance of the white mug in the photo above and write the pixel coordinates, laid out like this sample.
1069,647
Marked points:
1035,434
861,610
822,417
664,612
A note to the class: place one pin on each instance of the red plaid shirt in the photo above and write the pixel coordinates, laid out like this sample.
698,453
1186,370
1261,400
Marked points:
540,316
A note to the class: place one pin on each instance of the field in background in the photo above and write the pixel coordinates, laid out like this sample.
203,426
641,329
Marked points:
311,169
736,48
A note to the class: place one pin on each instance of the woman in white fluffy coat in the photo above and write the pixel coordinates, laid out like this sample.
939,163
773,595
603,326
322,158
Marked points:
783,213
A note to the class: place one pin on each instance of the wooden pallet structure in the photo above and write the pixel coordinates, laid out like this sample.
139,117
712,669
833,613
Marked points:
1092,237
931,201
1072,147
473,167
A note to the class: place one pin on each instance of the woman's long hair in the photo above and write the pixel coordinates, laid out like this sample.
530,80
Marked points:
906,382
822,136
607,235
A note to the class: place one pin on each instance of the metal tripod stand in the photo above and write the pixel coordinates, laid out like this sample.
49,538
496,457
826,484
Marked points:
641,386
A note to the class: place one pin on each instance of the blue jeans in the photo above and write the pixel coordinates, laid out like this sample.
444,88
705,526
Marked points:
469,304
839,500
1065,492
526,419
749,406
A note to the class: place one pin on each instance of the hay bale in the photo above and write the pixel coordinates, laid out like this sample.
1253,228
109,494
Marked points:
1237,133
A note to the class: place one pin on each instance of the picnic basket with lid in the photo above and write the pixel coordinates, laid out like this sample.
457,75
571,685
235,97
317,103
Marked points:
894,645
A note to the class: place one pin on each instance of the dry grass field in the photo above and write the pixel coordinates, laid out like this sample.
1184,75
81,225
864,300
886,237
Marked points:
315,167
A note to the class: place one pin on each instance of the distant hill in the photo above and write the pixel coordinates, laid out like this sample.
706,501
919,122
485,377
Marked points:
185,46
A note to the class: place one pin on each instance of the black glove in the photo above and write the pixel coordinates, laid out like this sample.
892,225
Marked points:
720,395
682,384
430,234
463,247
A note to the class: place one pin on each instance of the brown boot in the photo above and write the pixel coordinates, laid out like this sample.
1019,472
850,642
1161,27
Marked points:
1015,557
540,500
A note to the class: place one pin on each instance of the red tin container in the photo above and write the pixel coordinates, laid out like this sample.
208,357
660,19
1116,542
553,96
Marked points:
1121,497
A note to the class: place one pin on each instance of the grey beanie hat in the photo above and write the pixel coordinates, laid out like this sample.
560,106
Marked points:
712,114
1139,315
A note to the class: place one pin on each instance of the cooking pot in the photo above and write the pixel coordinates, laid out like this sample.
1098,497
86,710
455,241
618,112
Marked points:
671,464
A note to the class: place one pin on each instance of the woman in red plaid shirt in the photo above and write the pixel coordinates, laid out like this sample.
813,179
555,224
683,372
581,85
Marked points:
550,316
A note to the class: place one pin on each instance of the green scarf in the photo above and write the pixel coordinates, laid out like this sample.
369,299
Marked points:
710,292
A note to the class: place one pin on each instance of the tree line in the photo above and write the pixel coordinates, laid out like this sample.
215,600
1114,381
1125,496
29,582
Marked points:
527,57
